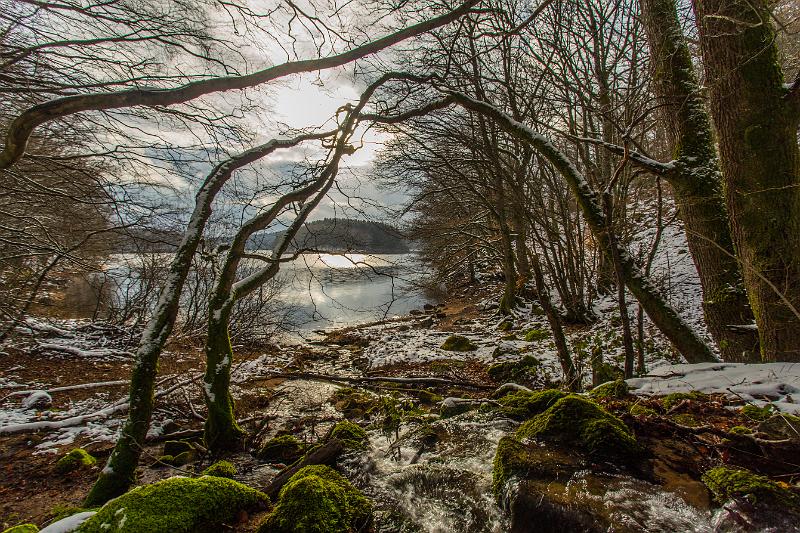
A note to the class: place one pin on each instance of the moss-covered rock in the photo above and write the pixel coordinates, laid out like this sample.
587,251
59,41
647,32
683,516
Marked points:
611,390
281,449
176,505
317,499
638,409
353,403
75,460
759,414
605,372
740,430
781,426
533,335
522,371
23,528
177,447
523,405
671,400
726,483
351,435
459,343
221,469
581,423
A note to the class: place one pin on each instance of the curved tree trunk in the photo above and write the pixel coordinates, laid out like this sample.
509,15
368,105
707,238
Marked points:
668,321
697,185
756,118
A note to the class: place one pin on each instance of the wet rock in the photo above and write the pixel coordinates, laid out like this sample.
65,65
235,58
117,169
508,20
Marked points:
281,449
428,307
455,406
404,327
428,322
524,404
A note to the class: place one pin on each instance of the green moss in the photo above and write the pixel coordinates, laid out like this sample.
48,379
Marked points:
458,343
512,458
671,400
176,505
687,420
610,390
281,449
23,528
505,325
740,430
523,405
428,397
515,371
582,423
317,499
353,403
605,372
725,483
638,409
533,335
351,435
221,469
759,414
75,460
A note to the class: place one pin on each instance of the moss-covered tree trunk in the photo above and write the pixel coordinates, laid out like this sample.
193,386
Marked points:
221,431
697,184
756,118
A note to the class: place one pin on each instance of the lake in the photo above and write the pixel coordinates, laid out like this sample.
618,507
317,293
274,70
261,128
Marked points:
315,291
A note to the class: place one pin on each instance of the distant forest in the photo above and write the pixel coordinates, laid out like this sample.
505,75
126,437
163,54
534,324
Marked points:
329,235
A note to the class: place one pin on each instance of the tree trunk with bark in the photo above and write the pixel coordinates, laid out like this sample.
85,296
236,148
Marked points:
756,118
697,184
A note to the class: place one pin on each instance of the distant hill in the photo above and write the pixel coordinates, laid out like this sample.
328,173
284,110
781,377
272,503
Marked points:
328,235
339,235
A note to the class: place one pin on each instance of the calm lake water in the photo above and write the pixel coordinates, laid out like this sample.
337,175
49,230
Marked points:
327,290
316,291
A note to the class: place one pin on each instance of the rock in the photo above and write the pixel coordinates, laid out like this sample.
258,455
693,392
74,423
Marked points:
318,499
351,435
522,405
415,312
281,449
507,388
177,447
404,327
176,504
76,459
782,426
221,469
458,343
611,390
524,371
505,348
426,323
37,400
440,315
455,406
428,307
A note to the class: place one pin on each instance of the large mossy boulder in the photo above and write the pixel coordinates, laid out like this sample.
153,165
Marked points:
76,459
459,343
317,499
727,483
176,505
610,390
282,449
523,405
581,423
224,469
523,371
352,435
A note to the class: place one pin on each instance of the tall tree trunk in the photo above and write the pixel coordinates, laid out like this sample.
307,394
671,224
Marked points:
571,378
697,185
756,118
668,321
221,431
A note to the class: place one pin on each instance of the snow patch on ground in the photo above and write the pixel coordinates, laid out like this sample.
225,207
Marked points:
774,383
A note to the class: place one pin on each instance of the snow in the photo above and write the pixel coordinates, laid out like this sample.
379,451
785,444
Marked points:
68,524
774,383
37,400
